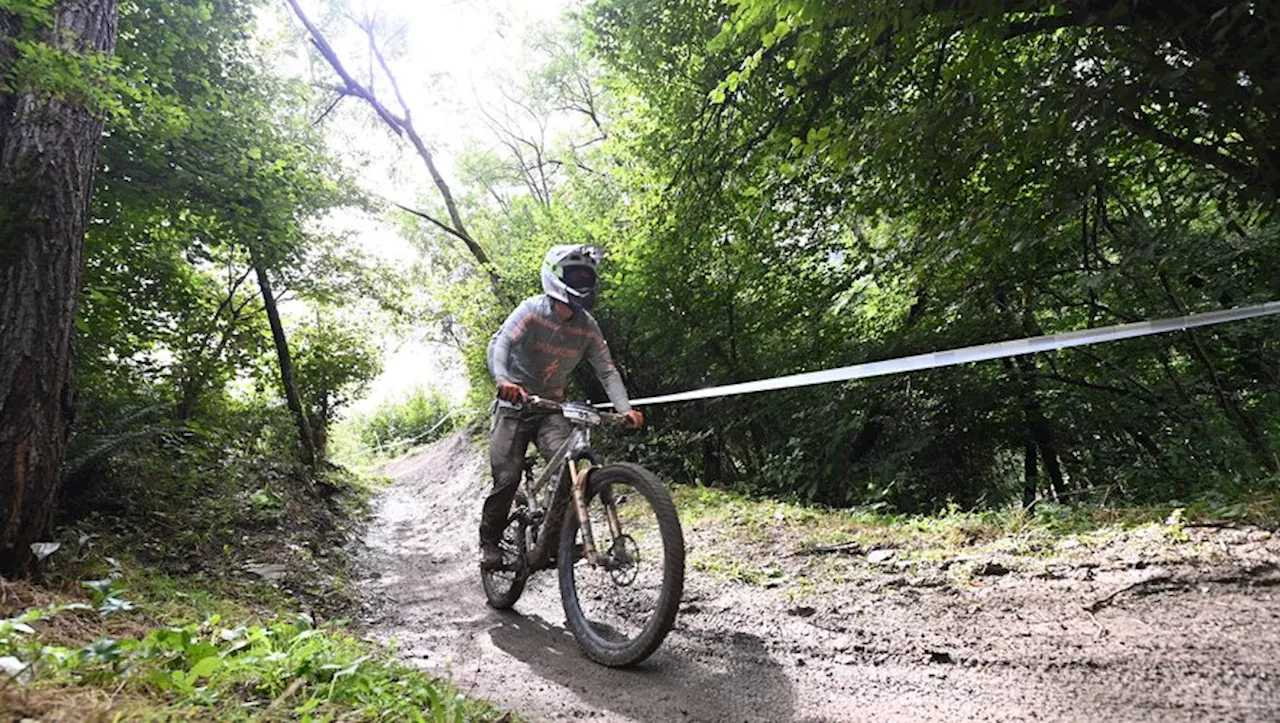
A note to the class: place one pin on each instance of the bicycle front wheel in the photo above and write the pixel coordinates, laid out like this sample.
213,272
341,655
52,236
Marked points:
621,609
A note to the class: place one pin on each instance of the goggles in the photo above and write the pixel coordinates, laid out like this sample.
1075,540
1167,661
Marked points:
580,277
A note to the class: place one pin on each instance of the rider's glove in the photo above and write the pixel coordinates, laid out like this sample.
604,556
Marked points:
634,419
513,393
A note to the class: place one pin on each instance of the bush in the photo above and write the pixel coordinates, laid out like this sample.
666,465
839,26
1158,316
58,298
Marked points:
422,416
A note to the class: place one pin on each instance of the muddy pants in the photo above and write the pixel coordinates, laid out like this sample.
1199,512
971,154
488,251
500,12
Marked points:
513,430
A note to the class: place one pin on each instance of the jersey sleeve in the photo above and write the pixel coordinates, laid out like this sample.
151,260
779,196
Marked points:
606,371
500,345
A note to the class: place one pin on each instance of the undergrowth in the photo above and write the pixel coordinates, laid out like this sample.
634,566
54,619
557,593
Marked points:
217,666
205,585
416,418
137,644
952,532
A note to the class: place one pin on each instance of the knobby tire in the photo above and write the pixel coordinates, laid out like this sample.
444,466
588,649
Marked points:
634,650
499,595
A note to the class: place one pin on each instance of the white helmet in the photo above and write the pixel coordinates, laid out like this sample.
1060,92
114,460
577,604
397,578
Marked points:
569,273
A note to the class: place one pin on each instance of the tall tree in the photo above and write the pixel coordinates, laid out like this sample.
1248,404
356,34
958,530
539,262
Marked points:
216,172
287,381
48,152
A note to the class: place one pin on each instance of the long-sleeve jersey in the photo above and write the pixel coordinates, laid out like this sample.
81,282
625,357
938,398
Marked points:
537,350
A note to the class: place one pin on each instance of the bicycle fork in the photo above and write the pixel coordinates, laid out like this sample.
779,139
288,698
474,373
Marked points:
578,476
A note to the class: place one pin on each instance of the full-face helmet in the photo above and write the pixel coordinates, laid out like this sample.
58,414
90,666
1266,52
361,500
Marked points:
569,273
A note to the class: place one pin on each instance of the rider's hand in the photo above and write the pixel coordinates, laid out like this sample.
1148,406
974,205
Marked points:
633,419
514,393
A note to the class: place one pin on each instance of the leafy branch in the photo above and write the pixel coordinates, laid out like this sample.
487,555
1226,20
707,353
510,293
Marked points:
403,126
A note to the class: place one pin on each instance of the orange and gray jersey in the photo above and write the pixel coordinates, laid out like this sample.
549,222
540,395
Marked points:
537,350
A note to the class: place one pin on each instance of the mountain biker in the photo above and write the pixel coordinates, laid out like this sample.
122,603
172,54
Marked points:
533,353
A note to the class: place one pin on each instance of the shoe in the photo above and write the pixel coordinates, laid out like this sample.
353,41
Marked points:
490,556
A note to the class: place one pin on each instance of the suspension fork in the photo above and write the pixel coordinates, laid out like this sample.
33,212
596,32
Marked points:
578,484
611,509
578,475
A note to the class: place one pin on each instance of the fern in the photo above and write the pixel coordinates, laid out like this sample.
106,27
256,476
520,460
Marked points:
130,424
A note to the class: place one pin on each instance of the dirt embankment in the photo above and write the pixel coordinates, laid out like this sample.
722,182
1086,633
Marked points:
1175,630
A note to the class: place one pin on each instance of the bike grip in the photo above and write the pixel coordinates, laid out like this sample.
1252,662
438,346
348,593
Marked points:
613,418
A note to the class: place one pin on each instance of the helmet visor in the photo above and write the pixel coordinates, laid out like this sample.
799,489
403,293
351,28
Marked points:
581,278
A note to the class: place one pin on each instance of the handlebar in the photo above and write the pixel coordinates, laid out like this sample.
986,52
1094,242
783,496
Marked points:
543,405
584,413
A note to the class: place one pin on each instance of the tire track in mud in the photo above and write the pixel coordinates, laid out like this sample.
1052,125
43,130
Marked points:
1009,647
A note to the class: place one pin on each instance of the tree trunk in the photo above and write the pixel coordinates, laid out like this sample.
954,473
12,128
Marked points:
48,153
1038,444
1029,473
711,473
320,429
1043,437
1039,431
286,363
870,431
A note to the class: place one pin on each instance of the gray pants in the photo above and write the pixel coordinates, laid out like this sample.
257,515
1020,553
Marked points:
513,430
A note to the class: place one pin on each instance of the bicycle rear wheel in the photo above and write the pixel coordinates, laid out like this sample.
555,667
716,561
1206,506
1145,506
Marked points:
621,611
504,585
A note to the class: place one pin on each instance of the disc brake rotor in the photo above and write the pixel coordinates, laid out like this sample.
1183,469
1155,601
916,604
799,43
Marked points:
624,561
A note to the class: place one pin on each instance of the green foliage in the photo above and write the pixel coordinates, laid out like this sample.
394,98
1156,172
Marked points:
91,448
334,361
36,12
48,64
215,169
790,186
105,594
952,531
421,416
828,184
207,494
284,668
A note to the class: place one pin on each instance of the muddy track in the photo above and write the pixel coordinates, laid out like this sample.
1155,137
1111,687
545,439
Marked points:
1165,635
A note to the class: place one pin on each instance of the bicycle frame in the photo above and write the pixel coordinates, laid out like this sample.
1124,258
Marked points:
572,461
537,536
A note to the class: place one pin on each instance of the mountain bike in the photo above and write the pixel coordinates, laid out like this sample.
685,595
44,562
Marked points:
611,531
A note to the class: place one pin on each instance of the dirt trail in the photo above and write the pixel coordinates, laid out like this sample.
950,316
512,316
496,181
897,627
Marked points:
1196,638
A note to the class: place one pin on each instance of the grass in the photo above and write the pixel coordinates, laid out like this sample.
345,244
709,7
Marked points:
140,645
728,517
347,449
135,621
729,566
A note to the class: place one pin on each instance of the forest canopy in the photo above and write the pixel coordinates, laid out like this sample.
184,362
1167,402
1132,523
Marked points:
791,186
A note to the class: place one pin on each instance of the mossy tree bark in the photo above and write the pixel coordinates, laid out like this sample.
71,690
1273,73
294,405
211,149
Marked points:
48,153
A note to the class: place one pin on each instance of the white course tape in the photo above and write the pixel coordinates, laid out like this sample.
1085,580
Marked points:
969,354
